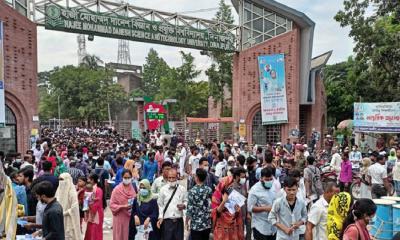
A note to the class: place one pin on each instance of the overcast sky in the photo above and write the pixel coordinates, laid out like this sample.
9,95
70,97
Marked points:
59,48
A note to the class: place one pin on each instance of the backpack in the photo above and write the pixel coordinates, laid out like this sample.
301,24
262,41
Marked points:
316,181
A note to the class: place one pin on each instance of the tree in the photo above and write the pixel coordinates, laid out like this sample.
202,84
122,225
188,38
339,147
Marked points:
153,70
220,72
84,94
91,61
376,67
340,91
178,83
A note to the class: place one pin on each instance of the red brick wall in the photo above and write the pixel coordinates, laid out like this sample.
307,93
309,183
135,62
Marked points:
20,65
246,87
319,109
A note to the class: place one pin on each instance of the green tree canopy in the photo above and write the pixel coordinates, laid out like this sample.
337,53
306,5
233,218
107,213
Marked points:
220,72
376,67
153,70
84,94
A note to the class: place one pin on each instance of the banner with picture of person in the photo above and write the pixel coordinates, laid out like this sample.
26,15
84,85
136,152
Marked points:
381,117
273,89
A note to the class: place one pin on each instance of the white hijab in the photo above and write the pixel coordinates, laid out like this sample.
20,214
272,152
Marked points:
66,195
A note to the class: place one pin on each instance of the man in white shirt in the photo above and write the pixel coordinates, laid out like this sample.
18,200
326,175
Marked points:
37,152
336,161
355,158
27,161
182,158
162,180
378,178
317,217
194,160
170,219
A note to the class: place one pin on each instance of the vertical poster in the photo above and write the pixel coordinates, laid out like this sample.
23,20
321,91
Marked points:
2,100
273,89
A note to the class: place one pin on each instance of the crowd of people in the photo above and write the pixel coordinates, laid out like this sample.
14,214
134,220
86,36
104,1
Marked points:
165,188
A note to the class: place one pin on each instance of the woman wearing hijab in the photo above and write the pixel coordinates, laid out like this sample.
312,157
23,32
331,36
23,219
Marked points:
67,197
144,212
61,168
120,204
8,207
338,210
94,230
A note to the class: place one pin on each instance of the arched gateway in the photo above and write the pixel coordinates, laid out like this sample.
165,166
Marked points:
266,29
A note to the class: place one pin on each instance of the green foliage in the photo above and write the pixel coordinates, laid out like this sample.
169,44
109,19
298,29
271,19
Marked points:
153,70
84,93
220,72
178,83
91,62
340,90
376,66
373,74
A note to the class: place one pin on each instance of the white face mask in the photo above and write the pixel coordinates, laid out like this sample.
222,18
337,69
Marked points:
206,168
172,184
127,181
242,181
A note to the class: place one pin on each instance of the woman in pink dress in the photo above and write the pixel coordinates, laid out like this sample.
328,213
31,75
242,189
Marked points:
120,204
94,230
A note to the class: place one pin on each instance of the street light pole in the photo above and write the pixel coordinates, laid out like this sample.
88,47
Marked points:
59,113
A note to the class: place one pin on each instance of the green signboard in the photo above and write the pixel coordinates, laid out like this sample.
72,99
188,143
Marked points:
155,116
78,20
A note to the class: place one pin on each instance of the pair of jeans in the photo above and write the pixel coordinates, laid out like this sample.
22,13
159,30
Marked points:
397,187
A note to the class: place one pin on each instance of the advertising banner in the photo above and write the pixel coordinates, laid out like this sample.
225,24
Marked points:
377,117
273,89
2,99
78,20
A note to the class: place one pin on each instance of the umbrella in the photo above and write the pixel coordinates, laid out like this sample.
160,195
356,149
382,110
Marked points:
345,124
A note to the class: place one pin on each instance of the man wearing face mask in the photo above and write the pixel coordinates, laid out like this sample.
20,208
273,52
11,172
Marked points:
53,220
172,200
211,180
259,203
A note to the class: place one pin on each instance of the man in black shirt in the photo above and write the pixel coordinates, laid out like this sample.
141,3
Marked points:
53,219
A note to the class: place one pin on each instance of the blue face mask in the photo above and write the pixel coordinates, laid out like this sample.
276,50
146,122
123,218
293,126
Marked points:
144,192
267,184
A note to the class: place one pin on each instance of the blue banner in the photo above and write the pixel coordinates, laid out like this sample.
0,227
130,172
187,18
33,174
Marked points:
377,117
2,100
273,89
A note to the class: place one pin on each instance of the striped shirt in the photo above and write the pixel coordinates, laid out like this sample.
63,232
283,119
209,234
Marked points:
75,174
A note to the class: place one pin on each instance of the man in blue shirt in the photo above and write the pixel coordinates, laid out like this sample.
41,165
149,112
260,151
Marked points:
288,212
150,168
259,203
120,168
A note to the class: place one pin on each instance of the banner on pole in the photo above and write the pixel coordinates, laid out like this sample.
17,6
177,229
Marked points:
2,98
273,89
377,117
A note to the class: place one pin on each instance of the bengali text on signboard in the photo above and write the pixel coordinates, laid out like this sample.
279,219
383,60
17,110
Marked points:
136,29
377,117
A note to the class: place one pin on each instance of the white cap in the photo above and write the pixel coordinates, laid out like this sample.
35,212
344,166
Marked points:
305,145
231,159
278,143
236,145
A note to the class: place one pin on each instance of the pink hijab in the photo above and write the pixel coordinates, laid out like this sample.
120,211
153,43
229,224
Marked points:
119,198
